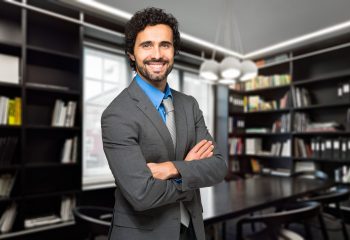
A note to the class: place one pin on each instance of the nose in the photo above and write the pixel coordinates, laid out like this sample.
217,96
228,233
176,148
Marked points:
156,53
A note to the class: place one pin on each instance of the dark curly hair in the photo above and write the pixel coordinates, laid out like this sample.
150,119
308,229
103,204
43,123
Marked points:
149,17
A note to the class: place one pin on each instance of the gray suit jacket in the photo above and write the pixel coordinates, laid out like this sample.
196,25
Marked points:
134,134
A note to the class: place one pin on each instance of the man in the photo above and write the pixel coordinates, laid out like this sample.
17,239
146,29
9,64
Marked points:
156,141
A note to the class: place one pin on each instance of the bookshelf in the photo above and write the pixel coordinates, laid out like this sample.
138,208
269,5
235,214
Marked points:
318,129
49,51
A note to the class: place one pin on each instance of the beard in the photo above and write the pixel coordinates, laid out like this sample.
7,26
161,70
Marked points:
148,75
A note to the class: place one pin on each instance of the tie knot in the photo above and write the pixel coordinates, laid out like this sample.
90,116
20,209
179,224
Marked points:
168,105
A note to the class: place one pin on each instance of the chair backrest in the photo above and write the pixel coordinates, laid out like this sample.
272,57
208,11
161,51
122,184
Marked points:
273,221
291,213
96,220
332,196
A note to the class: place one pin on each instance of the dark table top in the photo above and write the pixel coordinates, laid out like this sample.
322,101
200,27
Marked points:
231,199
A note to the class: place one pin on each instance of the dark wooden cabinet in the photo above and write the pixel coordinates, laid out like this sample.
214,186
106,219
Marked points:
50,50
322,71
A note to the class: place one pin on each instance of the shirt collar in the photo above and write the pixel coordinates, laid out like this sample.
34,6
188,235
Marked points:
154,94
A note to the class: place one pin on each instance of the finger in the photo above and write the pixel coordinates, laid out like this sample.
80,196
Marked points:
151,165
199,145
207,152
204,148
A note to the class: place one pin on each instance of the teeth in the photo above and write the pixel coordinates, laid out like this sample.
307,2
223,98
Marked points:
156,66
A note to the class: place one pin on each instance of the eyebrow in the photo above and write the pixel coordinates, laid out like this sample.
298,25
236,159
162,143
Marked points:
149,42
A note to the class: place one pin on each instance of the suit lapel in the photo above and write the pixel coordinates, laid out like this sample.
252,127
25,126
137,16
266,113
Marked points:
145,105
181,126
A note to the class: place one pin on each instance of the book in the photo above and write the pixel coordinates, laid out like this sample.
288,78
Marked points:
11,112
67,150
8,218
41,221
9,69
18,111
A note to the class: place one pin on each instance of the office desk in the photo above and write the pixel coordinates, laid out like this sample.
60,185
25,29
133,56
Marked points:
228,200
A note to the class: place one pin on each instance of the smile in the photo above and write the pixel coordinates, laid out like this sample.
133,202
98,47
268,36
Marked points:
156,66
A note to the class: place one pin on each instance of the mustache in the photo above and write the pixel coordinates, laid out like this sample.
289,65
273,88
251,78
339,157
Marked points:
160,60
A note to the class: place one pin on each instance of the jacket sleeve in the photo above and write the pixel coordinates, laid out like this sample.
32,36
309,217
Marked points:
205,172
129,168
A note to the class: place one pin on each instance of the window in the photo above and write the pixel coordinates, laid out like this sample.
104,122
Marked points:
105,76
203,92
174,79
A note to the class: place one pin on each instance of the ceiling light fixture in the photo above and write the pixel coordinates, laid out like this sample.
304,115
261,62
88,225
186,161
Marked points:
209,70
249,70
230,68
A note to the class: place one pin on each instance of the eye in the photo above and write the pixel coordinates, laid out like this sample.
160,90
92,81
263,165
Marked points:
146,45
166,45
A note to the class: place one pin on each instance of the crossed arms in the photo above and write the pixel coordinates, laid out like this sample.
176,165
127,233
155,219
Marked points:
167,170
146,186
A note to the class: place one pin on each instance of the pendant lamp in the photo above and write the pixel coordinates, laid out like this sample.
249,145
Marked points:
249,70
209,70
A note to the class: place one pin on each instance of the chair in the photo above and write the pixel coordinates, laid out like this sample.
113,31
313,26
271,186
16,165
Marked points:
274,222
333,196
97,220
325,198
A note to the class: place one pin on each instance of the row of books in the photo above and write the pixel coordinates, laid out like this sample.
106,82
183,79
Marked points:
6,184
301,97
258,167
338,148
254,147
7,150
67,205
9,68
342,174
10,111
281,125
302,123
343,90
64,114
260,82
235,124
236,103
257,103
70,150
272,60
235,146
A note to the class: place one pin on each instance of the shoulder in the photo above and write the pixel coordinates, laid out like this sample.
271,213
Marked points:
183,97
119,105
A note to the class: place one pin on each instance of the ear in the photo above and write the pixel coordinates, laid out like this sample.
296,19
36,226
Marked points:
131,56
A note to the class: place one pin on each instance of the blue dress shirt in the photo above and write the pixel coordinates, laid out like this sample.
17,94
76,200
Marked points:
156,96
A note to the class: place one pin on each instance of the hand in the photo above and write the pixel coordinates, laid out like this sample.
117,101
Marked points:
163,171
203,149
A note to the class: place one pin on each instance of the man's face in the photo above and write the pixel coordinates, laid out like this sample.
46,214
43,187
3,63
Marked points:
154,53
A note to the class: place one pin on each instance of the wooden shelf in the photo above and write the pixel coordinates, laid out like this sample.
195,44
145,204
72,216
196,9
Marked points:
36,229
274,64
322,106
326,160
313,134
53,52
51,128
276,111
52,89
51,194
10,85
330,76
50,165
267,89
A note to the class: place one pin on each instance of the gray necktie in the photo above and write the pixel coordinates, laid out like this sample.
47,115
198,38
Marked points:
170,123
